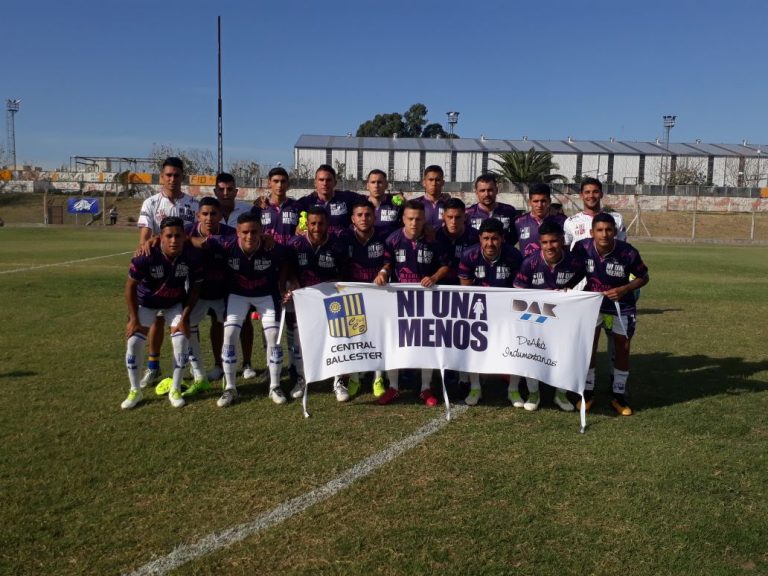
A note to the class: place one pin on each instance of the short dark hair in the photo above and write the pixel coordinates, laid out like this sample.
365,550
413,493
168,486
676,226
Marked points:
376,171
171,221
413,204
434,168
363,203
487,178
492,225
326,168
593,181
254,215
603,217
174,162
225,177
454,204
550,227
539,188
278,171
317,211
209,201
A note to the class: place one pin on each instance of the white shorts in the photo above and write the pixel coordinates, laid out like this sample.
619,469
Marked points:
147,315
238,306
625,327
203,306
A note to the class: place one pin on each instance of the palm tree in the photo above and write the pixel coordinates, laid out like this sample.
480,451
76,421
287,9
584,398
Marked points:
530,166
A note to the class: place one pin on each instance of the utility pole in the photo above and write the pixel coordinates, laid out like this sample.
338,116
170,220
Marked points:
220,133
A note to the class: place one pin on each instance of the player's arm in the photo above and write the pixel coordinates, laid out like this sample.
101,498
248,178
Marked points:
145,233
619,292
383,276
132,300
465,281
441,273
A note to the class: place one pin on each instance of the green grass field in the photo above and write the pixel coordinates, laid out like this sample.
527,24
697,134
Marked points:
679,488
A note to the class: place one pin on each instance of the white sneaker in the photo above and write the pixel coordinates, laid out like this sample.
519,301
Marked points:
298,390
216,373
227,398
562,402
473,398
277,396
248,372
133,398
150,378
342,394
174,396
533,402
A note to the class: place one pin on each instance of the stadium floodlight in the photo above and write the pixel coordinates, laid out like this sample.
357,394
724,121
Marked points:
669,123
11,106
453,119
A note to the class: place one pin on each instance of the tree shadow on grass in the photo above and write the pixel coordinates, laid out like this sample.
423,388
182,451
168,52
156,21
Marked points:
17,374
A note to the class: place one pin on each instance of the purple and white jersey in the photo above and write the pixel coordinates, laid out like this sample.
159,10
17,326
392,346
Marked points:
324,263
158,206
527,227
579,226
387,217
339,208
536,273
250,275
365,259
280,221
412,260
240,208
499,274
162,282
611,271
433,211
504,213
214,284
454,248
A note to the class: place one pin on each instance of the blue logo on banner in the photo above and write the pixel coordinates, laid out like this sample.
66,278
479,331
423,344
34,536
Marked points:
346,315
83,206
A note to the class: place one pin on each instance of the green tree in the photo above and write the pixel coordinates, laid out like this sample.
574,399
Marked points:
412,124
415,119
530,166
435,131
385,125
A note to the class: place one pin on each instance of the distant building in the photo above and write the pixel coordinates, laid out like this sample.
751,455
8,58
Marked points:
463,159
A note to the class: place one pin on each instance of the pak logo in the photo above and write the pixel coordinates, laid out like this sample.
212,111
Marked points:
537,312
346,315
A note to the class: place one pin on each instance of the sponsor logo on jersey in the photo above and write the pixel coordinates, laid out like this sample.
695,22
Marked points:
346,315
182,271
424,256
156,271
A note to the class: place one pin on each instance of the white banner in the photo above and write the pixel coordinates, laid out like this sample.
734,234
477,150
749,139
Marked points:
354,327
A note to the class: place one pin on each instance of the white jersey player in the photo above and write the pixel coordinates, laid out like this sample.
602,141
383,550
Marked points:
578,226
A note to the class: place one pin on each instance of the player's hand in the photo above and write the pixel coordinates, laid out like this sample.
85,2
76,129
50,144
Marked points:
133,327
262,202
144,249
427,282
381,278
615,293
288,297
182,326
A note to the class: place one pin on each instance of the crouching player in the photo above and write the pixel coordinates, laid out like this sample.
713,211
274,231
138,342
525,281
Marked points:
257,275
495,263
157,283
609,263
551,267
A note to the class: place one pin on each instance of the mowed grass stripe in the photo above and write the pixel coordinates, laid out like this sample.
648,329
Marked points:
66,263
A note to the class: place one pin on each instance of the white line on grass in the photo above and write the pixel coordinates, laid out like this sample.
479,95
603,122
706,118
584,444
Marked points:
68,262
290,508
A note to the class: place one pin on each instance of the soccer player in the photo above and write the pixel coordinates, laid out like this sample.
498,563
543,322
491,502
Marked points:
433,199
527,225
365,243
170,201
487,190
551,267
491,262
257,277
609,264
337,203
410,257
578,226
386,206
213,293
318,256
158,282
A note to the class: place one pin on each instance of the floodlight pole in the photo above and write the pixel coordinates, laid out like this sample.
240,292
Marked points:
12,106
453,119
220,132
669,123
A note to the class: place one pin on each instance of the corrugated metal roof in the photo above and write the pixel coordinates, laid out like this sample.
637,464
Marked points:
619,147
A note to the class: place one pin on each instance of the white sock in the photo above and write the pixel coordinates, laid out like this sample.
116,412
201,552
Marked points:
180,358
195,358
134,358
274,352
393,376
590,383
533,385
474,381
426,379
620,380
229,355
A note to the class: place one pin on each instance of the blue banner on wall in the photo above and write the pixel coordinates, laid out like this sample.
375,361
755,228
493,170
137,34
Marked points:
83,206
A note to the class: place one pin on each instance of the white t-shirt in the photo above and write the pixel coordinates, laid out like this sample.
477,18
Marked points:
239,208
578,226
159,206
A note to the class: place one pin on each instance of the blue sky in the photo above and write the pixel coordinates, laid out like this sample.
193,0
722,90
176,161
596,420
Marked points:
111,79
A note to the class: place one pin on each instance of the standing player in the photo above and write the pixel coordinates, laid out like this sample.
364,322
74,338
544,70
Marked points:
365,245
257,277
318,257
386,206
578,226
491,262
455,237
337,203
527,225
433,199
551,267
158,282
170,201
487,190
609,265
410,257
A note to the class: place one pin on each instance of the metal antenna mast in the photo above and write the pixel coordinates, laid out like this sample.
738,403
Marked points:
221,136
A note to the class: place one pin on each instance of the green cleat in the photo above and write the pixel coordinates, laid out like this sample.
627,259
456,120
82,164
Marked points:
174,397
515,398
353,386
378,387
133,398
196,387
473,398
164,386
533,401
